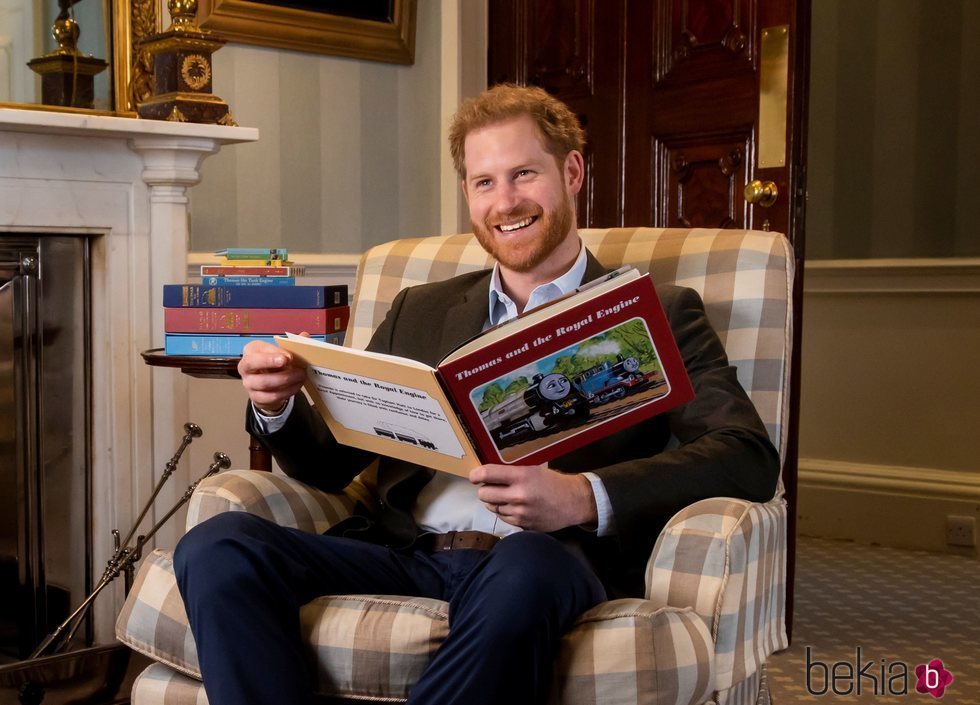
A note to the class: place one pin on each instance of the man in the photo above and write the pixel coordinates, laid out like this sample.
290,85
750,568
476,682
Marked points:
540,544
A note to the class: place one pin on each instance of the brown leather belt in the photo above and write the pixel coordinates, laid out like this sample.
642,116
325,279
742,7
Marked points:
479,540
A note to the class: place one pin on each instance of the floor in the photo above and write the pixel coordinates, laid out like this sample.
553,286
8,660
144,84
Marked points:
900,608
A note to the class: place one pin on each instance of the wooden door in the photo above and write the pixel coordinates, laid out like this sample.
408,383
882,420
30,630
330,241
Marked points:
685,103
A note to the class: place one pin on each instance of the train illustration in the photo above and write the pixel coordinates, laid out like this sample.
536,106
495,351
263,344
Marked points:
553,400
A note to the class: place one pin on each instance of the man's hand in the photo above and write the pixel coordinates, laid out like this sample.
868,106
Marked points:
269,375
535,497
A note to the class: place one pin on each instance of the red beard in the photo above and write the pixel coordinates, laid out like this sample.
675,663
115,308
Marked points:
524,255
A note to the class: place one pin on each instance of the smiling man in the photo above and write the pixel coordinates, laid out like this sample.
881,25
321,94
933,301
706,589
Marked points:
517,551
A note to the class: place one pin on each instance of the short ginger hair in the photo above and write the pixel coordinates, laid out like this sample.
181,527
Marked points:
559,126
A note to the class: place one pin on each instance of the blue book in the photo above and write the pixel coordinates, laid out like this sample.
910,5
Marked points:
201,295
215,345
248,281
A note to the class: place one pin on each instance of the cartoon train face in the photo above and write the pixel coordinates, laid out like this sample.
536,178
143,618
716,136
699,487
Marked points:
608,381
553,400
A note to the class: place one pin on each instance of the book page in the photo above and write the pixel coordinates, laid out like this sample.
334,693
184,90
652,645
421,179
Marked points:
386,409
385,404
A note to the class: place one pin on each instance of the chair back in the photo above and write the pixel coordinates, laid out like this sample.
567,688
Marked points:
744,276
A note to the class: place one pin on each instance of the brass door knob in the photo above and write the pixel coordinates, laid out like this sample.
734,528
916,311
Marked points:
761,193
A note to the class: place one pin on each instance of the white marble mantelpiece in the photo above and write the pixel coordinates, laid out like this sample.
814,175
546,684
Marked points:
121,182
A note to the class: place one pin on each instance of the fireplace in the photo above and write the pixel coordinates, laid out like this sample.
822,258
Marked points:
45,476
110,195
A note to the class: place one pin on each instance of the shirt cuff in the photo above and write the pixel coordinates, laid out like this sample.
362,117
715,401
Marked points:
271,424
607,520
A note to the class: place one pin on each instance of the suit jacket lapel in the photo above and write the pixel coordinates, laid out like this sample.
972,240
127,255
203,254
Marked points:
466,319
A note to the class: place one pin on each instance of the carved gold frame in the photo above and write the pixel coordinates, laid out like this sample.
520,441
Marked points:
132,69
320,32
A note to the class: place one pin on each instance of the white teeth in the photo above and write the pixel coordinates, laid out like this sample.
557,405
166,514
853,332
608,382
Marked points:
516,226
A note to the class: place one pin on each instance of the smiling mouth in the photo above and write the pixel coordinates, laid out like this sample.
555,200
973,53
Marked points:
519,225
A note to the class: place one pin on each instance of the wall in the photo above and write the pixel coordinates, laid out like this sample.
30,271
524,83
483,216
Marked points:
890,394
351,154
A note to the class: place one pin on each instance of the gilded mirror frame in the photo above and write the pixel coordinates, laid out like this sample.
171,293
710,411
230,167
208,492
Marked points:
132,69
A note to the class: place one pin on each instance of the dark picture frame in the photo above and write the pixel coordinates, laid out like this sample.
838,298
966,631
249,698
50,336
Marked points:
385,31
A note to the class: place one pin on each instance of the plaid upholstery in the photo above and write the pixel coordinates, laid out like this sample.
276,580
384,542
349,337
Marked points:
159,684
714,607
726,559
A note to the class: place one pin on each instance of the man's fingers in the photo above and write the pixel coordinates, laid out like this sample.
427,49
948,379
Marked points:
494,475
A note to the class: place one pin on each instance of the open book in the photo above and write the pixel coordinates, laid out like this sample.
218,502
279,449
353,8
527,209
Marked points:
524,392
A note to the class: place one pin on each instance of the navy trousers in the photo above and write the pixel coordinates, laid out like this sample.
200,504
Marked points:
243,580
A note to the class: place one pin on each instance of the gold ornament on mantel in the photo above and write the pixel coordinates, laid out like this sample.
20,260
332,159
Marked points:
67,75
182,71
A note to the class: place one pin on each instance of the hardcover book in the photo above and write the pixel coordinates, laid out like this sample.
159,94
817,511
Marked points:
225,270
248,281
201,295
214,345
266,253
525,392
270,321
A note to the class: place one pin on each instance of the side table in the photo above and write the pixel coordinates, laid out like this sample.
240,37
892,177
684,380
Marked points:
210,368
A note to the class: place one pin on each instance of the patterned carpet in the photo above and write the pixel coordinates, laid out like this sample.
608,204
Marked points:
899,607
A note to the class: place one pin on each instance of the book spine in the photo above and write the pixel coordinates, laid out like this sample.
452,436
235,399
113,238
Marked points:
248,281
200,296
213,345
315,321
260,262
262,271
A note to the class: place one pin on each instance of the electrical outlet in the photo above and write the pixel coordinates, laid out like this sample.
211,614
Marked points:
961,530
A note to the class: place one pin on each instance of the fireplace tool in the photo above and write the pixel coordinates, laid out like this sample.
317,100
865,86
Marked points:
125,556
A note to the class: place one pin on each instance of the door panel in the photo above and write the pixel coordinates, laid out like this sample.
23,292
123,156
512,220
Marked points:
703,183
572,49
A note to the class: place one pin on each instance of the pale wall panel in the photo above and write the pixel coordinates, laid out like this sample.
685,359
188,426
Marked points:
894,153
340,154
301,131
890,379
348,154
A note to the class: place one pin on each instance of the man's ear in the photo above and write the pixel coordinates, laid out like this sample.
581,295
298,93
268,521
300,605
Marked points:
574,171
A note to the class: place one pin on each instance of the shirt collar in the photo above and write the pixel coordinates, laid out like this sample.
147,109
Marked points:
501,308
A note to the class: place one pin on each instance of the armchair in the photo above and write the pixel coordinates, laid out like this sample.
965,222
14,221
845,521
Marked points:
714,606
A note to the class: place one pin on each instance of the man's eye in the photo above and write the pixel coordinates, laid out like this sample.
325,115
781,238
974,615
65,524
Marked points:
483,183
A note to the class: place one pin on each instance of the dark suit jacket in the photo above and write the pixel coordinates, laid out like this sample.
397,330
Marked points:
722,446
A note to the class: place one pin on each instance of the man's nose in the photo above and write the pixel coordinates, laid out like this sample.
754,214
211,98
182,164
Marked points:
508,197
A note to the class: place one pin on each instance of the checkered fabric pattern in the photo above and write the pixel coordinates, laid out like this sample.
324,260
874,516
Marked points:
714,605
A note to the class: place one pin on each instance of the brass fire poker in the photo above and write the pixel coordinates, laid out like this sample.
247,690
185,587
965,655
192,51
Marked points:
125,556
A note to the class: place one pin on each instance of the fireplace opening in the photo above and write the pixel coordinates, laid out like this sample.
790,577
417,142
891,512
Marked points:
45,438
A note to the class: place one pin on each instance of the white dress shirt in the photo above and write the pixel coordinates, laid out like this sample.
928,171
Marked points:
449,502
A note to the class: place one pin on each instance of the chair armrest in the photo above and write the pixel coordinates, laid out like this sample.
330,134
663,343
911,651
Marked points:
280,499
726,559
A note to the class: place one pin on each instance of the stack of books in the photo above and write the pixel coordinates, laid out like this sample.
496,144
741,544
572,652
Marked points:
249,294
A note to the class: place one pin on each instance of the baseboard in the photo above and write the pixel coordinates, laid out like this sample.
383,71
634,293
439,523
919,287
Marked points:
889,505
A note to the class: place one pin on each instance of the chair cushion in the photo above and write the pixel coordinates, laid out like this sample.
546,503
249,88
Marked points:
374,647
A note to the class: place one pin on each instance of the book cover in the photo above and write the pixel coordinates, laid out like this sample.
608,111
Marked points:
201,295
263,253
248,281
224,270
315,321
525,392
212,345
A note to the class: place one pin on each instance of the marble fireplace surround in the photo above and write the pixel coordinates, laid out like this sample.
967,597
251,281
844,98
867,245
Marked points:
123,184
